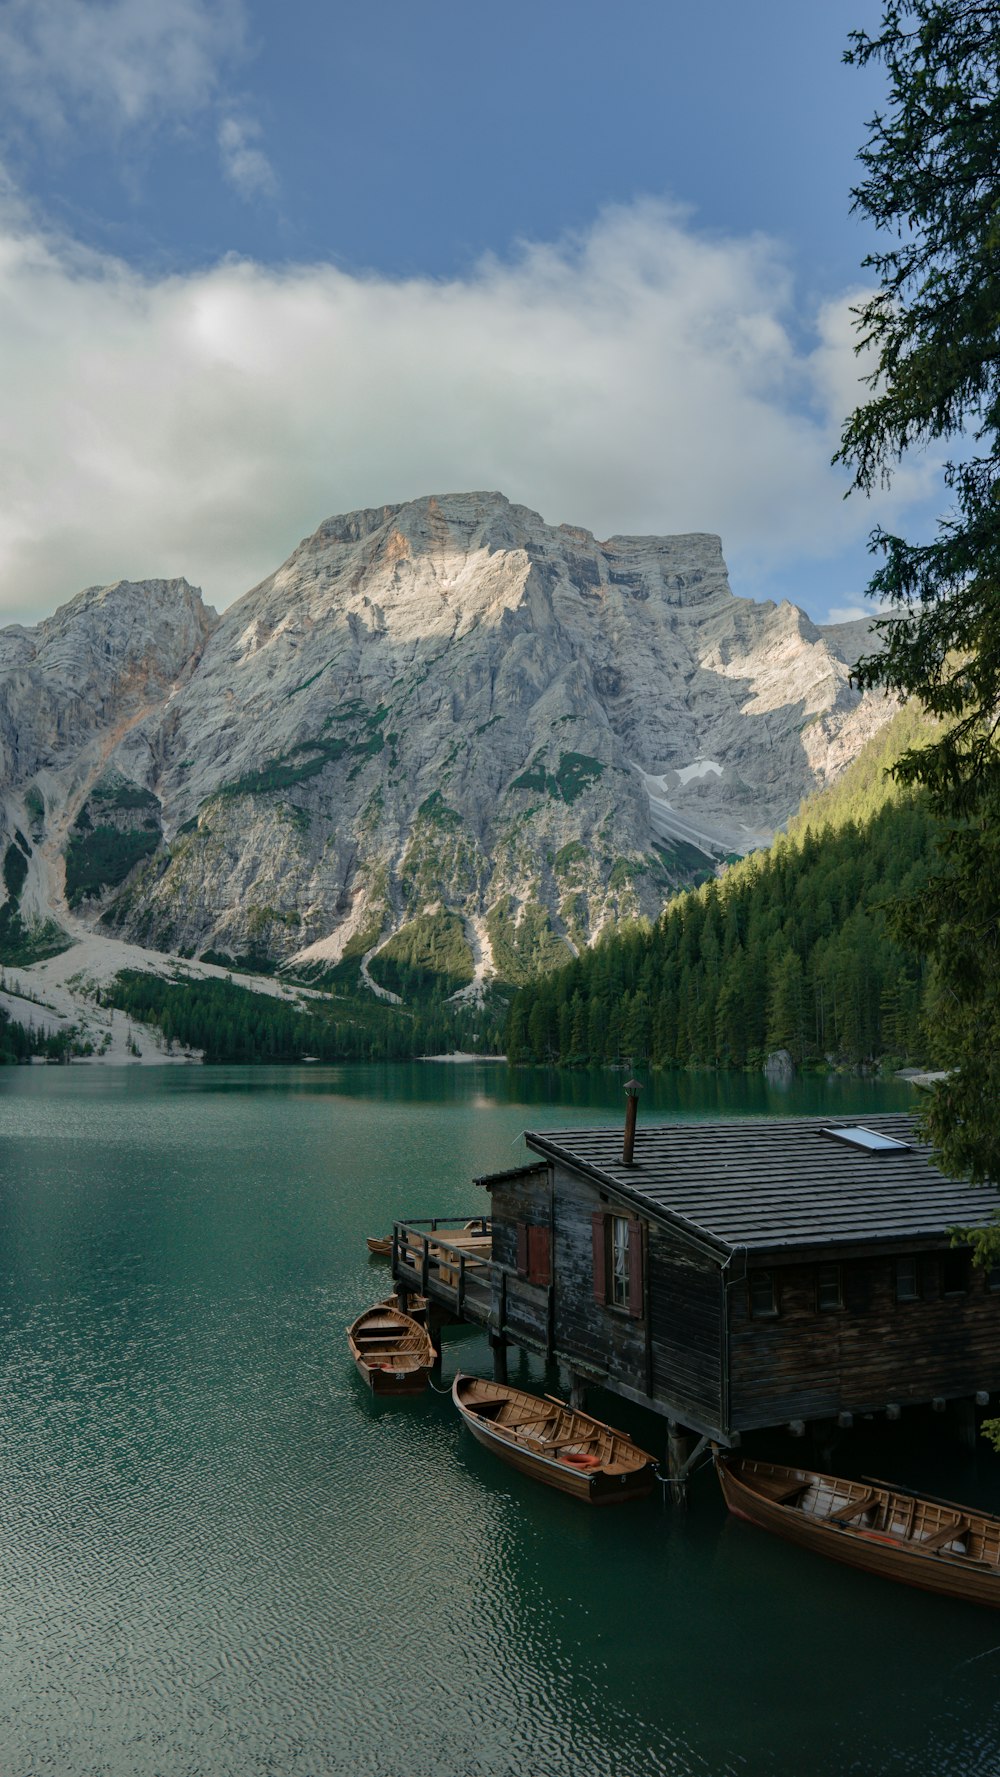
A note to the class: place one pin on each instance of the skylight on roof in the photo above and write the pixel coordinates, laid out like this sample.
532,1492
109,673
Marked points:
869,1140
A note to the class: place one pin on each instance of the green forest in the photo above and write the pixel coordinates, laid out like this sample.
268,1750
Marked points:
788,949
233,1023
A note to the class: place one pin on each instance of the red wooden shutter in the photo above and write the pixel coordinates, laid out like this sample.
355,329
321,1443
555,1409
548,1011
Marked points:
523,1261
539,1258
635,1302
598,1234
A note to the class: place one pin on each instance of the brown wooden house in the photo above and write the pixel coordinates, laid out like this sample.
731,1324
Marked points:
746,1274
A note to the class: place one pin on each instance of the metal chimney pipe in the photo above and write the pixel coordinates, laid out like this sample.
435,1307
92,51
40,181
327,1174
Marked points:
632,1090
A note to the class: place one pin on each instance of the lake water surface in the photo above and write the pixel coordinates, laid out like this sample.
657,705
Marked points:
220,1558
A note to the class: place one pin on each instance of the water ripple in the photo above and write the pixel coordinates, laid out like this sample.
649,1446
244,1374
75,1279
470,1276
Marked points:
219,1557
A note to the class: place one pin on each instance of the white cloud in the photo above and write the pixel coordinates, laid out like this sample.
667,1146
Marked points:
79,67
852,613
245,165
117,63
638,378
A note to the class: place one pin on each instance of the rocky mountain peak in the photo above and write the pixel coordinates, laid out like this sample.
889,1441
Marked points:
442,727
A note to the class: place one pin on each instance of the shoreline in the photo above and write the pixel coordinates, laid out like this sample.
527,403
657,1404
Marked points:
460,1055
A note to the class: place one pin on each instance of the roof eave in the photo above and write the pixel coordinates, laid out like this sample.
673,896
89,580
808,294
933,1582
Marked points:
712,1244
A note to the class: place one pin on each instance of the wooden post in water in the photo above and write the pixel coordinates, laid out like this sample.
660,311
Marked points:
435,1321
577,1392
677,1456
402,1295
498,1346
965,1422
823,1433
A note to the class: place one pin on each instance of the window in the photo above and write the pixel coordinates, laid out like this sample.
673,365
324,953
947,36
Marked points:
618,1262
763,1294
907,1289
869,1140
829,1288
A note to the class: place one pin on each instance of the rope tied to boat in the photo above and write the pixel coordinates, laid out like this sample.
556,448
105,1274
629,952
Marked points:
665,1479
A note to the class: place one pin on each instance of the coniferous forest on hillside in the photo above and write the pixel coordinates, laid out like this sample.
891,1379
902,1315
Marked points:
230,1022
789,950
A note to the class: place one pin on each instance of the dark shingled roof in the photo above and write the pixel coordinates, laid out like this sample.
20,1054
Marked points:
764,1185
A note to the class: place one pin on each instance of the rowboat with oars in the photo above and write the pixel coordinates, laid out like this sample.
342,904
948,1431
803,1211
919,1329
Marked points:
393,1352
554,1443
885,1529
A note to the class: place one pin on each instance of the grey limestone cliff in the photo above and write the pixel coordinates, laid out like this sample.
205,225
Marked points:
444,730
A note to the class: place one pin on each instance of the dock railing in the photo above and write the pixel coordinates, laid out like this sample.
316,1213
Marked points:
461,1275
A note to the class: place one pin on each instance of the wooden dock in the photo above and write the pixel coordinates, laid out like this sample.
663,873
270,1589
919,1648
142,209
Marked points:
463,1279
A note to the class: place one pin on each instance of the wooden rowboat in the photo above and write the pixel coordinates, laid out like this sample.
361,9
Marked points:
887,1530
393,1353
554,1443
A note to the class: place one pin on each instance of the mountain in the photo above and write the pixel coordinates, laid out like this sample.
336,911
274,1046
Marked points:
445,741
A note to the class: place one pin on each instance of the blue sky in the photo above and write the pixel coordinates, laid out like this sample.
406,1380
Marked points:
260,264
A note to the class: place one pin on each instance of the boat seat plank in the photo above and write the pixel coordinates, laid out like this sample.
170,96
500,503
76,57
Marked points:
947,1533
782,1496
853,1509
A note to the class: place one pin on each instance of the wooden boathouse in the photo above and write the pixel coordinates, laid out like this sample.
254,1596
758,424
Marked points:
732,1276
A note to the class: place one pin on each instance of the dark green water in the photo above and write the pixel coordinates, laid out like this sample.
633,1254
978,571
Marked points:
220,1558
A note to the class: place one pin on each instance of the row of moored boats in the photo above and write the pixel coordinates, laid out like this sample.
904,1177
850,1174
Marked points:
883,1528
540,1435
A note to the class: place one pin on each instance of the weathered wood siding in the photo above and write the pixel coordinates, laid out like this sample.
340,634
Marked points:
686,1329
594,1334
671,1353
812,1364
514,1199
526,1314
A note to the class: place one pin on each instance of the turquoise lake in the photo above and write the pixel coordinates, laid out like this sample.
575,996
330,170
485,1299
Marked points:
220,1558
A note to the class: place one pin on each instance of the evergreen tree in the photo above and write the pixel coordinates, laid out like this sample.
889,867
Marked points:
786,1019
932,189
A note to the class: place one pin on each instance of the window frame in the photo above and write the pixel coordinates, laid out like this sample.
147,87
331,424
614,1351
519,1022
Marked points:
905,1297
756,1273
834,1306
619,1279
611,1290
